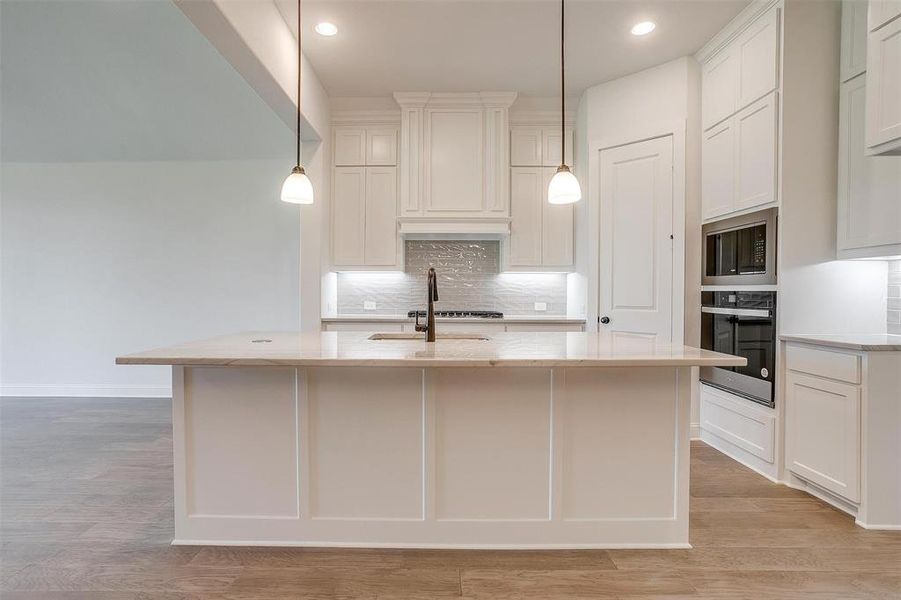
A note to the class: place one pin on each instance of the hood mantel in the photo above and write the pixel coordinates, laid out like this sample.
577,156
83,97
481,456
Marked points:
454,157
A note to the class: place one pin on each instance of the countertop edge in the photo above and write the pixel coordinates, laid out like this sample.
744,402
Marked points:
403,319
426,363
861,346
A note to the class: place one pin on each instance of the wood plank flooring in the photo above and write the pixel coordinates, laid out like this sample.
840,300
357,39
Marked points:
86,513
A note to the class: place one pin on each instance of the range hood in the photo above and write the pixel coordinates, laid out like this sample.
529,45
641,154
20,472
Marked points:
441,227
454,165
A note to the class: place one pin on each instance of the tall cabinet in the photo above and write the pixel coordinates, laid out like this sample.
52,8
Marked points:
739,113
869,187
541,234
364,198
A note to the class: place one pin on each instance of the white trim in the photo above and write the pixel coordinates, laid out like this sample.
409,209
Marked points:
86,390
694,433
366,117
547,118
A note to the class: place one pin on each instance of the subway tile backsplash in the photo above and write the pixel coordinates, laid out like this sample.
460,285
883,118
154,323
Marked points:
469,278
894,296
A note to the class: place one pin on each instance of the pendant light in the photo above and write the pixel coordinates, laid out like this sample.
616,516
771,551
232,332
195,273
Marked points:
297,188
564,187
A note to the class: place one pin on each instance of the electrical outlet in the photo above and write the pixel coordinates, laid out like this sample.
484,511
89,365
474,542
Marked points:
368,305
541,306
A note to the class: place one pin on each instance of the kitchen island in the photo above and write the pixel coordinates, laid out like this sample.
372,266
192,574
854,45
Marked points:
512,440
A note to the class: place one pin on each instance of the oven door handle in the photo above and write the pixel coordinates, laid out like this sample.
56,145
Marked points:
737,312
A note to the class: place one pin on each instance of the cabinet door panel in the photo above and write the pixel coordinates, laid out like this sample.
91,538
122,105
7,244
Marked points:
455,166
755,159
758,50
869,187
556,227
525,146
381,147
526,199
381,212
882,11
823,433
720,87
854,38
348,222
718,170
884,86
551,147
350,146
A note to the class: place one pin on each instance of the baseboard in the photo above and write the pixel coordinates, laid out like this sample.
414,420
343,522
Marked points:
81,390
694,431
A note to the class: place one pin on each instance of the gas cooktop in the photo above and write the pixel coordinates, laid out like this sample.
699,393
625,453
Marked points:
460,314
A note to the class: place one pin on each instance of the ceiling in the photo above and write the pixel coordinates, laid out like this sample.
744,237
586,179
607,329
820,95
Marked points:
124,81
466,45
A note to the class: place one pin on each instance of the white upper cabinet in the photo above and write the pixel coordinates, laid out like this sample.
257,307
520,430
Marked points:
525,211
869,187
854,38
720,87
525,146
743,71
755,154
381,240
381,147
364,146
541,234
539,146
738,160
348,215
718,170
883,118
882,11
364,217
758,52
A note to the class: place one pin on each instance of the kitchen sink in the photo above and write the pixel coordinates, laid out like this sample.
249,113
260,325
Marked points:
420,336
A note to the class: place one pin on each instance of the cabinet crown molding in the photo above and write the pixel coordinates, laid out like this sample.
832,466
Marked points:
734,28
366,117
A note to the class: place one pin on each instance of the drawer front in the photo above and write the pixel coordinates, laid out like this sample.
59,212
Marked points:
823,363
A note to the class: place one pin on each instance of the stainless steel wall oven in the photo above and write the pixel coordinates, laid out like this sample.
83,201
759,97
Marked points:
742,323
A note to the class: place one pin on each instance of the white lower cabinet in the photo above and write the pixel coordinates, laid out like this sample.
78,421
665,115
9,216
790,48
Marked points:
487,327
822,421
738,427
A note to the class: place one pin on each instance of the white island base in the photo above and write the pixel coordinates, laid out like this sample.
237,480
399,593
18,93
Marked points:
457,457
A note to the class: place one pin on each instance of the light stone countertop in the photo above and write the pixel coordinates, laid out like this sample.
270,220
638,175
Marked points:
339,348
869,342
403,318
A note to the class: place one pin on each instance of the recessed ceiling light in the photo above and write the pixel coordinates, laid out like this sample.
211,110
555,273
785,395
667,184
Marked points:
643,28
326,28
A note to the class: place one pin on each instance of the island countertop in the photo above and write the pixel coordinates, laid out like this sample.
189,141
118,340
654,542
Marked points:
340,348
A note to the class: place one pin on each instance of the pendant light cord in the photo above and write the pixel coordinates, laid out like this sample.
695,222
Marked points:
562,86
299,66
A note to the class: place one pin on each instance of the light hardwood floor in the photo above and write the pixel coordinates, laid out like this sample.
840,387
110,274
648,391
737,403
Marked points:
87,514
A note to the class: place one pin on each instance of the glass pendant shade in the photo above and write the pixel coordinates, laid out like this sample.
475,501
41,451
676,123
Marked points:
297,189
564,187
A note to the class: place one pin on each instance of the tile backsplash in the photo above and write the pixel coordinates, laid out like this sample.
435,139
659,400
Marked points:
894,296
469,278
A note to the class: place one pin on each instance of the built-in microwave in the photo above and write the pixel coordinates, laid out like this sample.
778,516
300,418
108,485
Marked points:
740,250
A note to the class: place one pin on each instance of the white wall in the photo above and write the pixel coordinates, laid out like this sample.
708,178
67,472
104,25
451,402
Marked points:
622,109
101,259
818,294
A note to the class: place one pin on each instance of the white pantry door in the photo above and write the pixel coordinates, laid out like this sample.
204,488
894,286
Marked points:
636,245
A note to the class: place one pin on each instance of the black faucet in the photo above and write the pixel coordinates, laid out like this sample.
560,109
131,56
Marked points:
429,327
